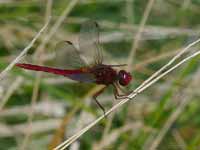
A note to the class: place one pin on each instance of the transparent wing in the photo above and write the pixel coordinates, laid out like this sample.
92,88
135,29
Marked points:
67,62
82,77
67,56
89,43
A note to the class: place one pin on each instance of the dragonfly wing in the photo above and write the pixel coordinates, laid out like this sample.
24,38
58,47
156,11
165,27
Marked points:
90,48
82,77
67,56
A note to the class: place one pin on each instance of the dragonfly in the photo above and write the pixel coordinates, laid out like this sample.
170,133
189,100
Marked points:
86,63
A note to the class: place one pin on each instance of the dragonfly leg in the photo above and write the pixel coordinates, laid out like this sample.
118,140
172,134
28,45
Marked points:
117,95
122,90
97,102
119,87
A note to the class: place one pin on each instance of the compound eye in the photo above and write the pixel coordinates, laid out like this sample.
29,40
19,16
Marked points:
124,77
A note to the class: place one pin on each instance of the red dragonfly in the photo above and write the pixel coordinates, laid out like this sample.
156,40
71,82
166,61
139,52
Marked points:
86,64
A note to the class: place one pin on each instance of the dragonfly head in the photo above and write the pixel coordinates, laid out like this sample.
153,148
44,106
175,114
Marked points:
124,77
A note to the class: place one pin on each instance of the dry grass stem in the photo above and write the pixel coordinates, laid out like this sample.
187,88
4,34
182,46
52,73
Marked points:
147,83
115,134
17,59
153,59
40,51
14,86
50,108
170,62
186,4
24,51
151,30
138,35
108,126
179,139
38,127
173,117
59,21
129,9
36,86
161,51
61,130
31,115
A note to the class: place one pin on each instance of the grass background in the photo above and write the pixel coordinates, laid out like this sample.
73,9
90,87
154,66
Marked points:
167,113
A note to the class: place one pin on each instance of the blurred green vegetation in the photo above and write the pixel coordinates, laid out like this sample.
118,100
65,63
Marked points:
21,20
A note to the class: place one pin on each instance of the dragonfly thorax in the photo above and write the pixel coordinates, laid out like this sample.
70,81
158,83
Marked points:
104,74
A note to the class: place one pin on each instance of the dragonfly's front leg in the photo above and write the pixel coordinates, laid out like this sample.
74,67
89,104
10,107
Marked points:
122,90
117,94
95,99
